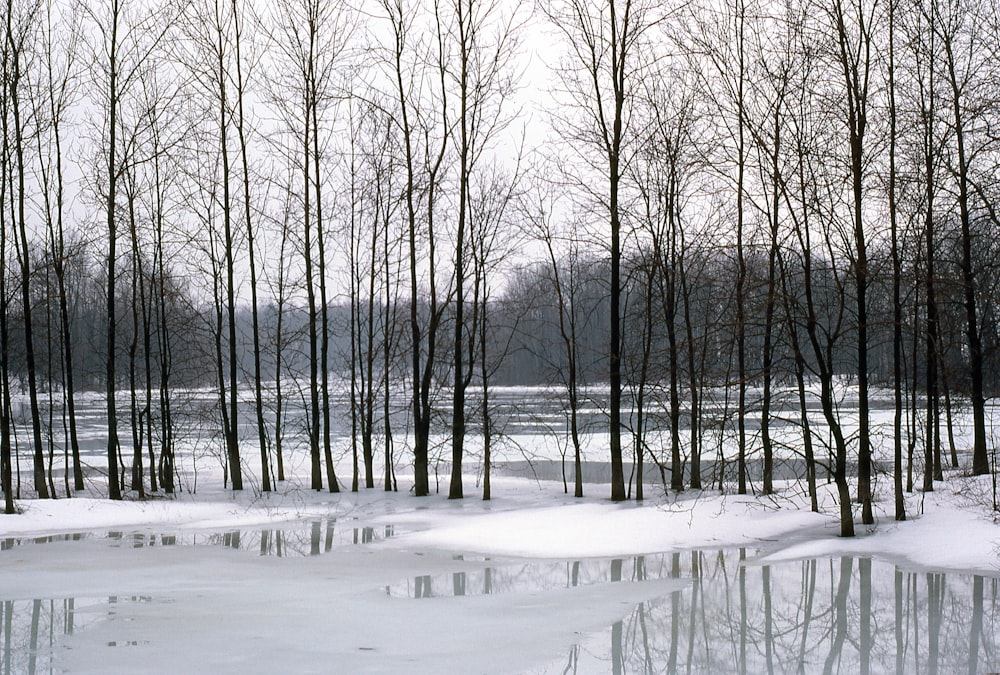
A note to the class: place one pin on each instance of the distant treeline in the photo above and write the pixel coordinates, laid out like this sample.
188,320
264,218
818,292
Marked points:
524,337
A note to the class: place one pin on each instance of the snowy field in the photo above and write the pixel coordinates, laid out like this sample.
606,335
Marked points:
533,581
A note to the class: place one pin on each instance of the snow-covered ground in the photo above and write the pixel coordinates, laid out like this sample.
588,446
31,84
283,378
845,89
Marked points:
532,581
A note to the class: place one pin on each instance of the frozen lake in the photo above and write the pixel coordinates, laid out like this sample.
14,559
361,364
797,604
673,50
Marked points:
531,436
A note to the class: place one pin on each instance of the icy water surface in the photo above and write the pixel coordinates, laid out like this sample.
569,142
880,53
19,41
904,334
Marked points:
532,426
530,577
736,613
311,538
839,615
32,630
818,615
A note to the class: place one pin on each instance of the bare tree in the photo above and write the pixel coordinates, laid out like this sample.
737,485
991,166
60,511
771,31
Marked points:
721,35
485,42
373,183
209,31
540,214
60,85
123,40
768,135
897,304
6,187
165,176
243,74
137,301
280,289
854,29
822,292
19,33
309,37
663,171
970,73
417,72
930,155
493,194
607,57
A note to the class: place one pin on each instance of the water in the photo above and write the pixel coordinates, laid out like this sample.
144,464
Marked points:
735,612
818,615
839,615
32,631
531,426
530,577
308,538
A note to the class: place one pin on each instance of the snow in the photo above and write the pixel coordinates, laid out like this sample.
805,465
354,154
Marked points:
221,610
596,529
535,519
87,514
951,534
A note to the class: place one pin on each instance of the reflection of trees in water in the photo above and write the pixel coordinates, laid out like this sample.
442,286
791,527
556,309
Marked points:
529,577
840,615
30,630
837,615
319,536
315,538
834,615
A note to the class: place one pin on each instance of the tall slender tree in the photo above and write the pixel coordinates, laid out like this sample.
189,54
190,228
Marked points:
854,29
125,38
210,26
6,173
309,37
607,57
61,91
485,41
965,40
242,62
897,303
418,75
111,69
19,36
540,213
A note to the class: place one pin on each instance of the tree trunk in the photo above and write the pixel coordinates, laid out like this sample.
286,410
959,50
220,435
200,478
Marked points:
980,458
231,420
741,272
135,417
331,473
114,489
15,46
897,305
6,464
262,438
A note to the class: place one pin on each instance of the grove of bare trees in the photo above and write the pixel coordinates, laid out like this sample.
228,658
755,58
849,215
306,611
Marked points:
724,236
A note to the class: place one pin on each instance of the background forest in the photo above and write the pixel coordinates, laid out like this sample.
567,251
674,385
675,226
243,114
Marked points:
707,219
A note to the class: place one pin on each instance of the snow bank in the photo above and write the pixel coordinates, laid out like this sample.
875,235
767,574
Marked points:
950,534
537,520
603,529
85,514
